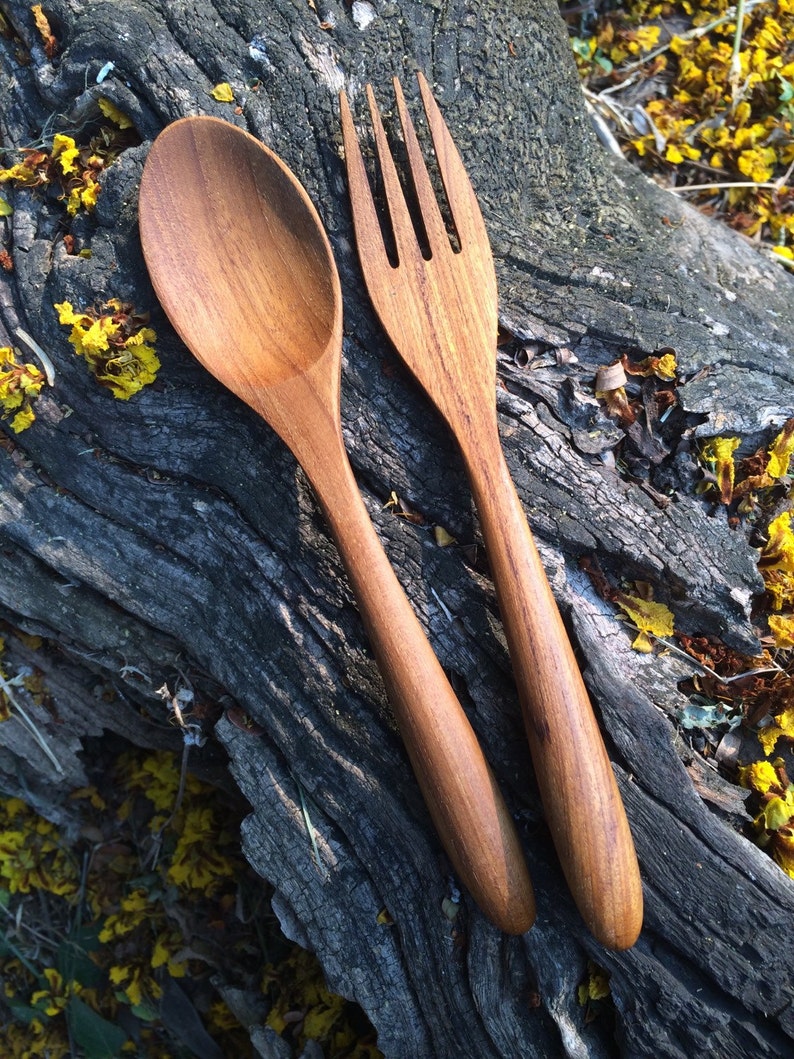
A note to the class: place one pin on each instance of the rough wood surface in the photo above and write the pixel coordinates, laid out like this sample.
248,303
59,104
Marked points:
173,532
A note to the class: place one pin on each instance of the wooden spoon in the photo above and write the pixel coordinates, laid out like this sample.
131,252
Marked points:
242,266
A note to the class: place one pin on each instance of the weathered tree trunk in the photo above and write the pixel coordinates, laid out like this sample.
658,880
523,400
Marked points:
173,533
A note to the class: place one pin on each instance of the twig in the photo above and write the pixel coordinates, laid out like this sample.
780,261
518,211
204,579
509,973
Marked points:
735,68
310,828
781,183
447,612
35,348
729,184
774,668
42,938
21,924
24,719
603,131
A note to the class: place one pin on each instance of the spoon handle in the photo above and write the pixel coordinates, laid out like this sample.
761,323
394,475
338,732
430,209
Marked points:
582,803
459,788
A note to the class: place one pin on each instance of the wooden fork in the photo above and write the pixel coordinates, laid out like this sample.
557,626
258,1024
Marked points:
439,307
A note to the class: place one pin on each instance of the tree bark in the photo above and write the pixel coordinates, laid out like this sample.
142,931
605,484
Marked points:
173,532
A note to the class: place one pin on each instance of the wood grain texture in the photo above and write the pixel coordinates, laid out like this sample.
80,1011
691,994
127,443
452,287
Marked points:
242,265
174,531
438,305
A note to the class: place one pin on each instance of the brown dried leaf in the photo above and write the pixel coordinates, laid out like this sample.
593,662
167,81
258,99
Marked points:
45,32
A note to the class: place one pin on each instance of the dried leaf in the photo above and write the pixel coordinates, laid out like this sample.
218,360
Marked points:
663,365
45,31
400,508
610,377
443,538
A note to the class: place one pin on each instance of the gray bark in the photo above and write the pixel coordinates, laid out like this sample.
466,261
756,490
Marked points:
174,533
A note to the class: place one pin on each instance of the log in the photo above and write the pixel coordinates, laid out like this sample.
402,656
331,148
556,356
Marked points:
173,533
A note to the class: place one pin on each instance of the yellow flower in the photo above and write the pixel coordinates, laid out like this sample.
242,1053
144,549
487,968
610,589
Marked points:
20,384
595,986
718,453
782,628
54,999
759,776
774,824
679,46
135,908
783,727
163,954
783,851
677,153
651,619
134,985
780,588
90,193
757,164
642,144
223,93
32,858
196,862
37,1039
115,343
647,37
778,552
66,313
776,813
96,338
781,451
770,35
66,151
22,420
110,110
19,173
667,367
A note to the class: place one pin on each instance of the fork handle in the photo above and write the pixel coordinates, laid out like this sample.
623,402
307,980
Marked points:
460,790
582,803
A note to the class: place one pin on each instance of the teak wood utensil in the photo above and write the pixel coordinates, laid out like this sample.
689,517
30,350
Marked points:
242,265
438,305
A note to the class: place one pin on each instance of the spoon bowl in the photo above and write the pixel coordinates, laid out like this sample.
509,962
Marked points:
242,266
224,224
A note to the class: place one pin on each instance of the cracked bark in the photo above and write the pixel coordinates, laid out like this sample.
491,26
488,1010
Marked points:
174,532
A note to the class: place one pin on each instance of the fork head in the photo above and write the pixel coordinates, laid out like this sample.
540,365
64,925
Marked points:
437,302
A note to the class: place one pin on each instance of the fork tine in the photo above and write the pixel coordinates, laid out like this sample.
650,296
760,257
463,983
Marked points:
365,215
435,229
462,201
401,222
